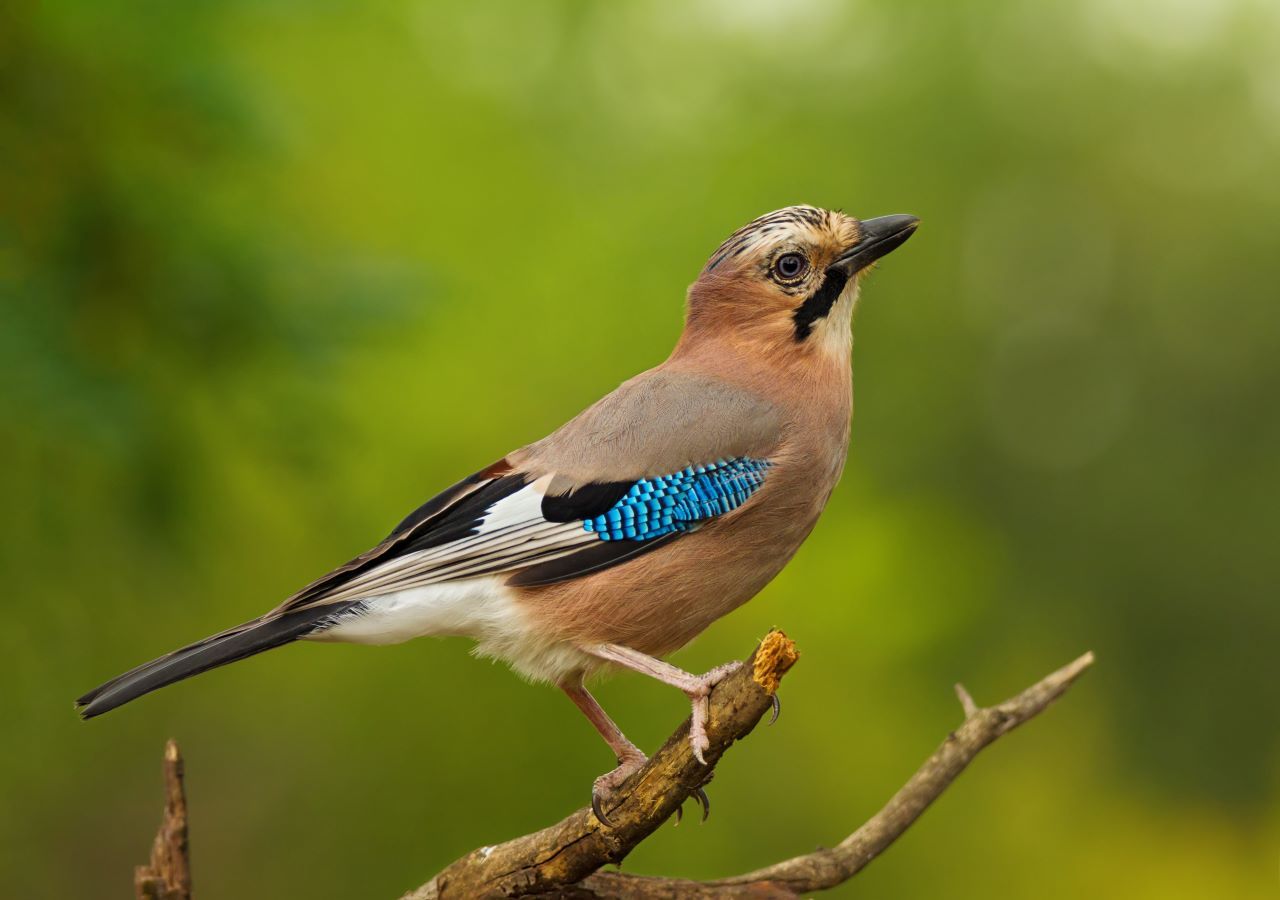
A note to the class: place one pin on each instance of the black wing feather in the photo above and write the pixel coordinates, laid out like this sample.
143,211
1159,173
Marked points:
582,562
230,646
584,502
454,513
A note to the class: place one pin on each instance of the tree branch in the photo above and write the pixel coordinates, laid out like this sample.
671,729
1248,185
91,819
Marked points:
168,875
551,861
827,868
563,860
560,860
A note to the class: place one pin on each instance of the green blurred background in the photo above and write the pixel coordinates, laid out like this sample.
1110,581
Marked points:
273,273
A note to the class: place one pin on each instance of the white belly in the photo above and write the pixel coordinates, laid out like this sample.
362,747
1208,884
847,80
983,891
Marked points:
479,608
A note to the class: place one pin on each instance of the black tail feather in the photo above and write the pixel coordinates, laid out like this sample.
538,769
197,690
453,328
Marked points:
229,646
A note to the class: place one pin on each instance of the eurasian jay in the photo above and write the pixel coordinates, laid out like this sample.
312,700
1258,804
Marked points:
622,535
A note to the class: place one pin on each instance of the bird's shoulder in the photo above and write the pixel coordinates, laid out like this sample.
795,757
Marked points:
657,423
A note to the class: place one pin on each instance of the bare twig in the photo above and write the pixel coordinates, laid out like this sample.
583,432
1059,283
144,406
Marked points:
168,875
551,861
827,868
966,701
560,860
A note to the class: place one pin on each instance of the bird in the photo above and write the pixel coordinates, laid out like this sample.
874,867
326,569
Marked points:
624,534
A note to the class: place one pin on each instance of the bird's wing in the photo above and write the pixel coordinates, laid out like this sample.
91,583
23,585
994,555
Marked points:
654,460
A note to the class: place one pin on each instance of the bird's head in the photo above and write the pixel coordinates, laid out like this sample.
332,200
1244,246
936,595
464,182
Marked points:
790,278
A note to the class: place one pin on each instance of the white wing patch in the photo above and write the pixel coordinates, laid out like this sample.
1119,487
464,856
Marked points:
512,534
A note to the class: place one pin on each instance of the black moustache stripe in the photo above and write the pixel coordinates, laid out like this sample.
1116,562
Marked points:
819,303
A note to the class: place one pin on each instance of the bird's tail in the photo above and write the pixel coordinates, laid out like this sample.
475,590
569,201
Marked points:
229,646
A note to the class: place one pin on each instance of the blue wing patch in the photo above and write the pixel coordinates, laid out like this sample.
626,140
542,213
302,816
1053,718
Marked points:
654,507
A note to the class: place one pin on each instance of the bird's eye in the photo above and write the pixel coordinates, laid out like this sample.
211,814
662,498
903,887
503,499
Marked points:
790,266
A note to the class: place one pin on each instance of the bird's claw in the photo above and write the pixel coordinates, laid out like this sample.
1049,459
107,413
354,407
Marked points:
700,694
699,743
777,708
607,785
597,808
704,801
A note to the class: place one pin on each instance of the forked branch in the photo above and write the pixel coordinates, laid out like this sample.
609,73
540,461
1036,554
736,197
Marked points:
563,860
553,860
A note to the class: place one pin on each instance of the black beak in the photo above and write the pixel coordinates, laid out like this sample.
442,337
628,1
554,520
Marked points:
877,237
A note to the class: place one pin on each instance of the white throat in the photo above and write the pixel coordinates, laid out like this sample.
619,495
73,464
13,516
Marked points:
833,334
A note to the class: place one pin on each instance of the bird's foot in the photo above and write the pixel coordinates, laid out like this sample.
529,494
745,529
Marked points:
700,692
606,786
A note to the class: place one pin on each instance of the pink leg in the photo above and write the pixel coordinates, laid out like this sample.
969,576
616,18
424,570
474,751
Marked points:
630,759
612,734
696,687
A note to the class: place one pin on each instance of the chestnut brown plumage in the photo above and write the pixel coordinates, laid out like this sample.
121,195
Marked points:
625,533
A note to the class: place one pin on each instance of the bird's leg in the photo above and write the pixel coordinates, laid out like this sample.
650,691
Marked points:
630,759
696,687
